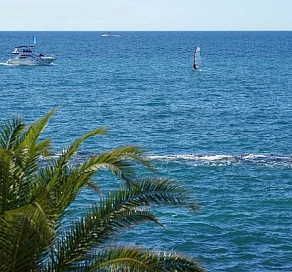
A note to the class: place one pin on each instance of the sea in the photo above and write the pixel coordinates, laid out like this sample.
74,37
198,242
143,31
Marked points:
223,132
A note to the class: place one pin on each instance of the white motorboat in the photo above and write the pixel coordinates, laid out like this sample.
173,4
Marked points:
24,55
109,34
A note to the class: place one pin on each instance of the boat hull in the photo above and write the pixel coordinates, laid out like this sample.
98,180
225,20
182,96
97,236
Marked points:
31,61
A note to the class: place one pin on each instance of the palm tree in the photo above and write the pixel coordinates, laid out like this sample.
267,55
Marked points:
36,189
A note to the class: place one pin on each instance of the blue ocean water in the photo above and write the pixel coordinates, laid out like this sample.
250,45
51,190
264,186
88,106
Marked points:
224,132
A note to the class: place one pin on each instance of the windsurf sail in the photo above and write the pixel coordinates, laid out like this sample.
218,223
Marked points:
197,58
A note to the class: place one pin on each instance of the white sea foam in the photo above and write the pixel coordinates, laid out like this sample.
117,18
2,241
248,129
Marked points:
222,159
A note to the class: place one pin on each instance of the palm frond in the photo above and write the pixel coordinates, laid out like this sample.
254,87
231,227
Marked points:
118,211
34,131
27,148
132,152
34,198
120,161
60,164
20,247
70,151
159,192
134,259
65,180
9,132
94,230
39,212
5,182
14,184
19,154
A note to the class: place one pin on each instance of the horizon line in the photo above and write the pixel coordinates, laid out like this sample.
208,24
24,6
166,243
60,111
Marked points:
222,30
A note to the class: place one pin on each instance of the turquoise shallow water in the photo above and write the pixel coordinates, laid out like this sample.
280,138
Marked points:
224,131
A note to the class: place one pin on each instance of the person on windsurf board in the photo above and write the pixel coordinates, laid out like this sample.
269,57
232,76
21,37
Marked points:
197,58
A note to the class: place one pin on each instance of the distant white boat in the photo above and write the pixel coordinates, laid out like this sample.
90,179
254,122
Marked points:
109,34
24,55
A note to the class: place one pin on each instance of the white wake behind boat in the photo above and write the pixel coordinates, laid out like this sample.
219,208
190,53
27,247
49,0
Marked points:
24,55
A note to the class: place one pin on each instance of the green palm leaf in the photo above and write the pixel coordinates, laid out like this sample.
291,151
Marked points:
9,132
134,259
118,211
34,197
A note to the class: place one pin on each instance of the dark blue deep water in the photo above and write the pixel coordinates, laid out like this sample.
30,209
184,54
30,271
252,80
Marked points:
225,132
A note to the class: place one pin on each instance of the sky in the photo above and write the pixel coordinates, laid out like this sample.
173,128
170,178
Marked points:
145,15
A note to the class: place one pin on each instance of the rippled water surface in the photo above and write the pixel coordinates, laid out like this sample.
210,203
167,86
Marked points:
225,131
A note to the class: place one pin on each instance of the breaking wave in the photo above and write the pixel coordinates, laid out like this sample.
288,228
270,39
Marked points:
225,160
203,159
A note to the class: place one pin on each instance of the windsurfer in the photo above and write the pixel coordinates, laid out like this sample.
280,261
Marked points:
197,58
